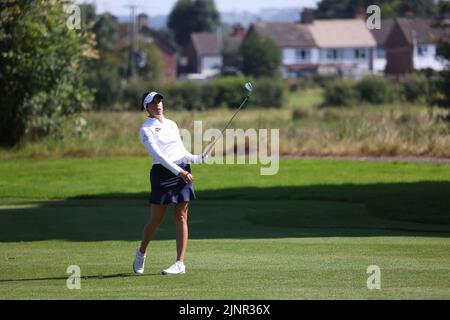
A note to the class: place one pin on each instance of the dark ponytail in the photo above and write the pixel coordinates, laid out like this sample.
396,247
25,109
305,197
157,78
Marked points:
142,100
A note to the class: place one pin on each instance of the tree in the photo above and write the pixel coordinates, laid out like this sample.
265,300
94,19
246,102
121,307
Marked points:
152,64
332,9
329,9
420,8
260,56
104,80
103,74
42,65
88,15
232,59
106,32
189,16
441,91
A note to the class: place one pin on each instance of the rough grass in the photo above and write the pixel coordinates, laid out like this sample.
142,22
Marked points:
309,232
305,129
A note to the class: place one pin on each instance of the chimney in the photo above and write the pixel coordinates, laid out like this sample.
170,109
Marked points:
307,16
238,30
360,13
142,21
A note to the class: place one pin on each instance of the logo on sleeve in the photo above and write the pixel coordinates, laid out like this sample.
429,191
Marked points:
157,129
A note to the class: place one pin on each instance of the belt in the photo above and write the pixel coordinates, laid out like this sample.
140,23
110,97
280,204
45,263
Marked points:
182,160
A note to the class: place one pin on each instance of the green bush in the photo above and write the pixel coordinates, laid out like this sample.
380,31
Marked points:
184,95
227,92
208,95
230,91
374,90
132,94
437,88
104,79
339,92
268,92
414,88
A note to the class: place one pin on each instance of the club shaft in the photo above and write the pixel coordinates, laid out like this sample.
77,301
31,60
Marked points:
208,149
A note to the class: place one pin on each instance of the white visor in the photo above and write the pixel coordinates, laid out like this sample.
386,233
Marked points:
149,98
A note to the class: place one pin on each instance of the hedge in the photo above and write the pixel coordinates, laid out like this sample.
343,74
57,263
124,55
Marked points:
374,90
220,92
339,92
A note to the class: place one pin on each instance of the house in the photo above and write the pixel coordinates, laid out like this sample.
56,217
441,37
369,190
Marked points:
232,40
213,53
343,46
380,36
410,46
167,50
145,34
298,48
204,53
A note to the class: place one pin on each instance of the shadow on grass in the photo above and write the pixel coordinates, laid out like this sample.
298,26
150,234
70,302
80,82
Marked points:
412,209
95,277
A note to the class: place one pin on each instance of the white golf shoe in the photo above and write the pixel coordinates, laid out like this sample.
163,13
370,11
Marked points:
177,268
139,262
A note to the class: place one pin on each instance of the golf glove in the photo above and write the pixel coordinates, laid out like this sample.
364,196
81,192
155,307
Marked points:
200,158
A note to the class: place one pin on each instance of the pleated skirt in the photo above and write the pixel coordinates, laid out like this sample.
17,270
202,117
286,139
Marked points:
168,188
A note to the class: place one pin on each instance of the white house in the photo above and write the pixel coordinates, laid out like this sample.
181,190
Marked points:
205,53
343,46
346,44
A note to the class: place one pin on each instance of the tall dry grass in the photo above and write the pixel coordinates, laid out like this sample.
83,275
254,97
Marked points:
305,129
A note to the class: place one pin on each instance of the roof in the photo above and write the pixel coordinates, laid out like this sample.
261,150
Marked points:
382,34
233,42
419,28
335,33
160,40
286,34
206,43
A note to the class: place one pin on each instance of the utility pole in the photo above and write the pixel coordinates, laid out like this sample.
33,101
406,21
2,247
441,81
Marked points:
132,53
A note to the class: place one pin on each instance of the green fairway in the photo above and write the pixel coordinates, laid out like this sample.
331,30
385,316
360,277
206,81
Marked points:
309,232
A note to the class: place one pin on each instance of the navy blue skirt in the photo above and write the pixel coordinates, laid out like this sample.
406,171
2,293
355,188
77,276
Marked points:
168,188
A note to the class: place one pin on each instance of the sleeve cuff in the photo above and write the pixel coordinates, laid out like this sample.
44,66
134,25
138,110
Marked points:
176,170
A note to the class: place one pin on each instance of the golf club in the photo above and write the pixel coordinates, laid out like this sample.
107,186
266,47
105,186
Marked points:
249,88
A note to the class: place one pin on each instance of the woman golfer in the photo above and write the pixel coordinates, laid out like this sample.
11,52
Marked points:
170,179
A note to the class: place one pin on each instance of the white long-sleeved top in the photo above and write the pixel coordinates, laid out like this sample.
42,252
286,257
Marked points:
163,143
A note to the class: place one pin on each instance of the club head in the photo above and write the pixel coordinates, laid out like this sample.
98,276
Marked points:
248,86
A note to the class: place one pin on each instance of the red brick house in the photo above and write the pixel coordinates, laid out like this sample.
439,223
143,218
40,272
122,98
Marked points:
168,52
410,46
149,35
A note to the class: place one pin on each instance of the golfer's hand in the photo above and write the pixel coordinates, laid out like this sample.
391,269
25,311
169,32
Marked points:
186,176
201,158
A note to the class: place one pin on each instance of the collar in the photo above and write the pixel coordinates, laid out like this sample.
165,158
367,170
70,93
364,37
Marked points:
153,120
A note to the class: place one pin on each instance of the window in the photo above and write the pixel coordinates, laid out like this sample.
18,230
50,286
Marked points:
303,54
360,53
334,54
381,53
422,50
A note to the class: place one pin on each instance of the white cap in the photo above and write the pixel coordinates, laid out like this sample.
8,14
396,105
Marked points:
149,98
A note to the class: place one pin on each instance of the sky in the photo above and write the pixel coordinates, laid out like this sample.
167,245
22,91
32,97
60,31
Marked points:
163,7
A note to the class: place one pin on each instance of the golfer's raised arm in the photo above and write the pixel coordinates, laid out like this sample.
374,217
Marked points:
188,156
155,152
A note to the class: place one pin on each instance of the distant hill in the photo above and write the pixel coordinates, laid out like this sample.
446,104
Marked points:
243,17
